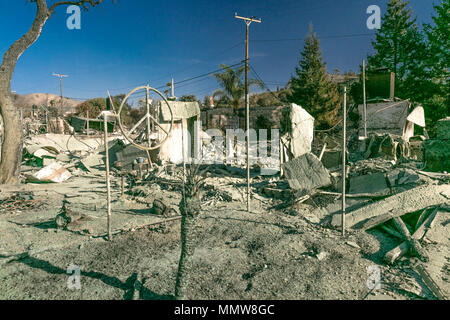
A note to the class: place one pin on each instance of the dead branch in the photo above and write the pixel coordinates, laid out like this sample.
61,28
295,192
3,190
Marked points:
80,3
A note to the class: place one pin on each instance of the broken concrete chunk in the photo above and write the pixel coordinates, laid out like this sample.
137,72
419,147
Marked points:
369,183
417,116
92,161
301,133
332,159
63,157
395,206
54,172
306,173
407,176
392,177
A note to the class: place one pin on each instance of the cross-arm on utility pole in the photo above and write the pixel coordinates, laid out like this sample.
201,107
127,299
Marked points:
247,21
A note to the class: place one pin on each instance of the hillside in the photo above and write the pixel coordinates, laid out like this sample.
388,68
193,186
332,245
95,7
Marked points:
44,99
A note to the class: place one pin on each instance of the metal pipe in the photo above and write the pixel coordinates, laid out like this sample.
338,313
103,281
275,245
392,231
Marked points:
344,171
364,97
108,185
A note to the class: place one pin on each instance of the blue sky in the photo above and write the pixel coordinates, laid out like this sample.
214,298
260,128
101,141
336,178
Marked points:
135,42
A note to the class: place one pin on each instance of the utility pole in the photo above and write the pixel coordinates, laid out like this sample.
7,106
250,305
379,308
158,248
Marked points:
60,76
247,21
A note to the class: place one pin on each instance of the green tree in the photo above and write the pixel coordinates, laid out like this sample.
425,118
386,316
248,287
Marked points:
97,105
311,88
438,63
188,98
400,46
233,87
438,36
392,39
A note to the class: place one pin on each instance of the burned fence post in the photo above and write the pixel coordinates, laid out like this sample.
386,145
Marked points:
108,186
344,171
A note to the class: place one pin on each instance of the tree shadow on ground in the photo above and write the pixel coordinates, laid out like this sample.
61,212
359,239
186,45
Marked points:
128,286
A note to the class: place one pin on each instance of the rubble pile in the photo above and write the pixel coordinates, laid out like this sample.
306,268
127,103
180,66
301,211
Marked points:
396,186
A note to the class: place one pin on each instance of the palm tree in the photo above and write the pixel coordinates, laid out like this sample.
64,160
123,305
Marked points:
233,88
190,207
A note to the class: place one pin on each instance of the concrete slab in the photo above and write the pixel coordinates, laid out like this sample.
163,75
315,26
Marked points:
306,172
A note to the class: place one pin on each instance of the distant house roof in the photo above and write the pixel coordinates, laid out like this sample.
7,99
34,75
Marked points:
181,110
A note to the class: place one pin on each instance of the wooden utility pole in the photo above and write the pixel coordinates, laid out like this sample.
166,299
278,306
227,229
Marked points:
344,166
247,21
364,97
60,76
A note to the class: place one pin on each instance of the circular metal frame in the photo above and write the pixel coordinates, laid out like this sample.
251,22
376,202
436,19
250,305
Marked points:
148,117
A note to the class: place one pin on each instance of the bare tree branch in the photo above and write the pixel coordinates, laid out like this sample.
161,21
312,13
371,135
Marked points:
17,48
82,3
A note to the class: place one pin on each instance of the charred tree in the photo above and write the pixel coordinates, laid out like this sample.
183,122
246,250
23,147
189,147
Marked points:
190,207
11,151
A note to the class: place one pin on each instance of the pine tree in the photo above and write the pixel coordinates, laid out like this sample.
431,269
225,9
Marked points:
312,89
438,63
438,37
400,46
392,38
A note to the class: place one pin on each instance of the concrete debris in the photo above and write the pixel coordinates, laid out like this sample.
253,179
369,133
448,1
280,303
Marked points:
322,255
332,159
395,206
371,183
388,146
417,116
54,172
430,283
385,117
300,136
93,160
306,173
407,176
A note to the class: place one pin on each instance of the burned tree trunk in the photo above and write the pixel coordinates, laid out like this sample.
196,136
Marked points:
190,207
12,146
11,149
189,211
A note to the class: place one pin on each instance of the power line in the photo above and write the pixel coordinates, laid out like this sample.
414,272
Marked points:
140,95
320,38
206,74
173,73
264,84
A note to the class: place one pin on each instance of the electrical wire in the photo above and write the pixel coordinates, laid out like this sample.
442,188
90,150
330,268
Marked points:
320,38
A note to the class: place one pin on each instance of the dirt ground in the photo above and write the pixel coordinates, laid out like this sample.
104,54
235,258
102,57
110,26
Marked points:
269,253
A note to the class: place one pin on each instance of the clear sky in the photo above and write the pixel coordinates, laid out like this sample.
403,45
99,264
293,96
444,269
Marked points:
135,42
